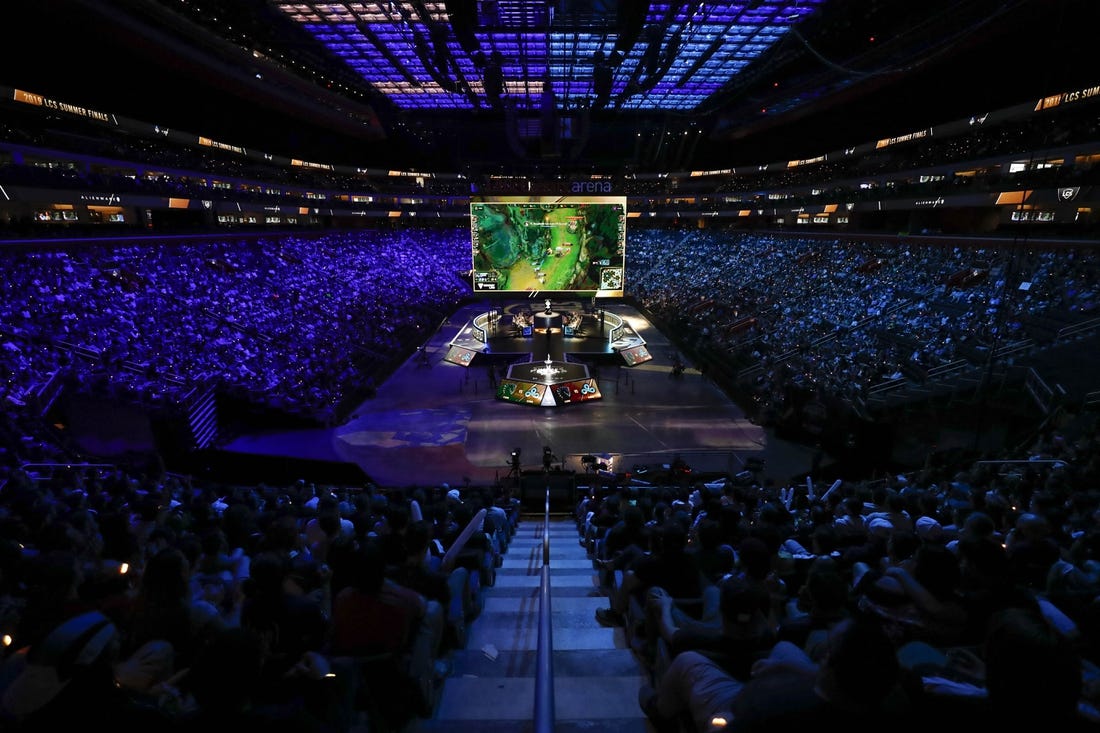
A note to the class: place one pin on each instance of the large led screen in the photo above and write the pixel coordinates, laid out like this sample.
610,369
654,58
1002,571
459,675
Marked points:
514,390
531,244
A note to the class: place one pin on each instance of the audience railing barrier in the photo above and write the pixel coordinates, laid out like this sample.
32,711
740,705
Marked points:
1023,462
45,471
48,392
1015,348
944,370
887,386
1078,329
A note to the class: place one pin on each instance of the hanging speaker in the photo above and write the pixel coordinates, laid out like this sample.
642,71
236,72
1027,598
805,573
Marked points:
629,20
463,16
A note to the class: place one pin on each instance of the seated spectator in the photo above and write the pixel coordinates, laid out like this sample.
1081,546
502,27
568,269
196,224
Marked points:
391,532
164,610
756,563
986,586
854,687
53,597
669,566
1074,581
623,543
977,526
893,511
375,617
476,552
69,676
823,542
714,558
217,577
1023,675
850,524
821,603
452,590
1019,644
921,603
744,635
599,518
224,690
290,622
498,523
1032,552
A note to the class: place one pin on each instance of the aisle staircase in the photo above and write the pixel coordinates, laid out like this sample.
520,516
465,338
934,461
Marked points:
492,685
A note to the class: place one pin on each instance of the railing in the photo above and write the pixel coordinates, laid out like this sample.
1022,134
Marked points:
544,663
759,366
1015,348
939,373
48,392
947,369
1022,461
45,471
888,386
35,469
1078,328
1040,391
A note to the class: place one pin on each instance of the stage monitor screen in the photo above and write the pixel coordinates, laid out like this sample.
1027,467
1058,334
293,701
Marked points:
548,244
514,390
582,391
635,355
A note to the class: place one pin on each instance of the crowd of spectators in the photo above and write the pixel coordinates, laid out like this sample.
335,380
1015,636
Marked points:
160,603
172,605
300,323
963,593
938,598
146,576
844,316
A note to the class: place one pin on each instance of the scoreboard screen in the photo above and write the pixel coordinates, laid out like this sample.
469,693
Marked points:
574,244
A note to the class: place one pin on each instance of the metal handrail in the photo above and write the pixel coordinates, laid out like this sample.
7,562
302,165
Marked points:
1077,328
544,663
949,368
29,467
1024,461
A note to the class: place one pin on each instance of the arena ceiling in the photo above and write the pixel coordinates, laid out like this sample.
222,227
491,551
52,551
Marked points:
561,83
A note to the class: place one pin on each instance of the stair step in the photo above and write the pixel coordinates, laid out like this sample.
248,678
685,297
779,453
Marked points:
492,683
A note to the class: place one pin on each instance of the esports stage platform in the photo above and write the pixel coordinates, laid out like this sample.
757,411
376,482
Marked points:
550,356
432,421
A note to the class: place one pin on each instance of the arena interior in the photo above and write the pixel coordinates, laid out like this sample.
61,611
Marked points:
397,367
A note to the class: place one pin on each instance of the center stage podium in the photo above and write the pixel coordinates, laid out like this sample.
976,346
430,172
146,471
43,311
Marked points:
563,491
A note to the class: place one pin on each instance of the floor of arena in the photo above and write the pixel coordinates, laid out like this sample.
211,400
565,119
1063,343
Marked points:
435,421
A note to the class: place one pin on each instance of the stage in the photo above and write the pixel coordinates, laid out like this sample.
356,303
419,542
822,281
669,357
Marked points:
435,421
550,356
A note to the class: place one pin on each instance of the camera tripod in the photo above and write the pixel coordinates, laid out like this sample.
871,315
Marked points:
514,472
